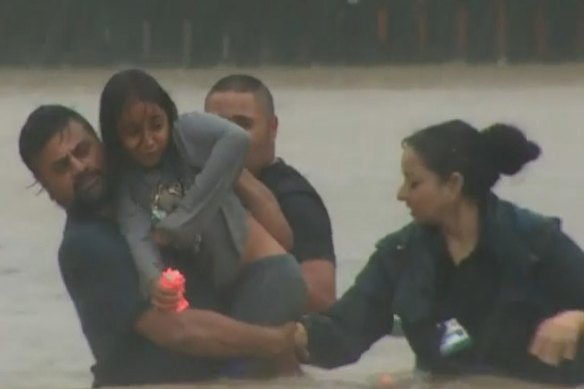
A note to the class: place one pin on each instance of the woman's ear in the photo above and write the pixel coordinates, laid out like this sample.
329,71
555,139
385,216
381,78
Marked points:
455,183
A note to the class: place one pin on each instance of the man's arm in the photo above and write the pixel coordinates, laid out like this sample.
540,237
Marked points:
264,207
319,275
99,275
204,333
313,247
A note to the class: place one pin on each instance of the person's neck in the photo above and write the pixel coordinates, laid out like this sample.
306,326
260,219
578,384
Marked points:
105,211
461,230
258,171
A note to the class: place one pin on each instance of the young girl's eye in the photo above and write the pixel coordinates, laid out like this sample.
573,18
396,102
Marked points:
131,131
157,123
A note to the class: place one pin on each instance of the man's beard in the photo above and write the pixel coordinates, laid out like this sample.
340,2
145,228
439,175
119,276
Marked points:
90,193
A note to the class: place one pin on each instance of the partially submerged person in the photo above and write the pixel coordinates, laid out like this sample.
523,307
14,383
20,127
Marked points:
481,285
247,101
174,182
132,342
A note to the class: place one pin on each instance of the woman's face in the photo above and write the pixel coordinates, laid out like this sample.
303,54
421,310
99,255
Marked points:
144,132
427,195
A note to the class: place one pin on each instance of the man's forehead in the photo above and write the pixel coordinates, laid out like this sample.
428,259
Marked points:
64,141
233,102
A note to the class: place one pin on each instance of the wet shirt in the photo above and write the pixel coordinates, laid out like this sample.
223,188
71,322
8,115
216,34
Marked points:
528,266
304,210
99,275
467,291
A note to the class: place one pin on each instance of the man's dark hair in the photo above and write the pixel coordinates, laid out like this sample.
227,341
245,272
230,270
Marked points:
41,125
244,83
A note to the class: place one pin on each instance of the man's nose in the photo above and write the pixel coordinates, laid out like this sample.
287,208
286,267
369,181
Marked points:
77,165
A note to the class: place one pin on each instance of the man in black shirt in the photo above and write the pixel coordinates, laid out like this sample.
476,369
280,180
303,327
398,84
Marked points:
246,101
132,342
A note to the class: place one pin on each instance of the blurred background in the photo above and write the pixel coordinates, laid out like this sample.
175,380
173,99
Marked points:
197,33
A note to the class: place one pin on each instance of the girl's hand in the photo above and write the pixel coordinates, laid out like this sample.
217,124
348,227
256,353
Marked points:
165,299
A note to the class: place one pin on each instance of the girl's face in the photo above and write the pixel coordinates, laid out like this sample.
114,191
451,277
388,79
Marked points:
144,132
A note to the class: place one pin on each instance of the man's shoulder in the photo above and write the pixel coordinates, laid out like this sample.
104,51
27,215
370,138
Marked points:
87,236
88,228
284,179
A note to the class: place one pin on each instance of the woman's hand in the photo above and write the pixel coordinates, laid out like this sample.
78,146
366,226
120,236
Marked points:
557,338
301,342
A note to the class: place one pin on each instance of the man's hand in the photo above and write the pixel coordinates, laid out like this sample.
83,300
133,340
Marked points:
284,341
557,338
285,350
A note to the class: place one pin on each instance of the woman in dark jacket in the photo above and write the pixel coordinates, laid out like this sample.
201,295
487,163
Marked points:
480,284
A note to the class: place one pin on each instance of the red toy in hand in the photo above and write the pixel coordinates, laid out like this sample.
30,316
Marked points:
172,282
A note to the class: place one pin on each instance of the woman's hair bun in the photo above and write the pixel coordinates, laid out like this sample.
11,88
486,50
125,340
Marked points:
508,148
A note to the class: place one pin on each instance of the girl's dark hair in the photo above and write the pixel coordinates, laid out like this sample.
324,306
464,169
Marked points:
479,156
122,89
